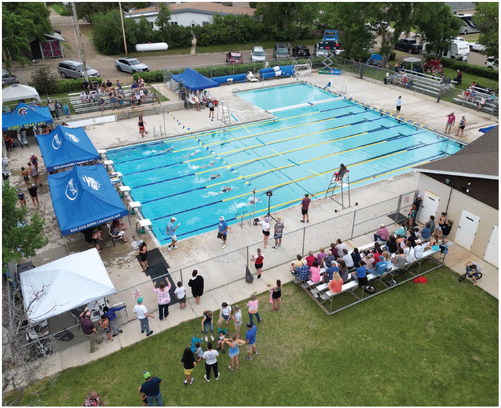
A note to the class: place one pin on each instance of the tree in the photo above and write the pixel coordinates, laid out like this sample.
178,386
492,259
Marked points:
21,24
44,81
486,19
108,36
21,237
162,21
87,11
144,31
436,26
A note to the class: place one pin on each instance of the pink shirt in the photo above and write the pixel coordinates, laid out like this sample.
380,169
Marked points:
451,118
383,233
163,297
252,305
315,273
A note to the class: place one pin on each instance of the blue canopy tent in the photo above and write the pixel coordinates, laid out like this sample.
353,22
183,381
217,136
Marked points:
26,116
84,197
66,147
375,59
194,81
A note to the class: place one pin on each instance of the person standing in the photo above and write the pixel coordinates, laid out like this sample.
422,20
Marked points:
278,233
253,309
171,232
237,319
196,283
189,362
26,175
163,299
210,357
451,119
222,231
234,345
276,296
462,125
34,160
35,175
110,313
89,330
142,314
399,103
104,322
33,190
250,339
52,109
258,260
151,388
265,227
21,197
305,205
141,123
143,256
180,293
207,326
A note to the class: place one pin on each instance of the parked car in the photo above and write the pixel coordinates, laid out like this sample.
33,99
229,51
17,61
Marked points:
324,48
258,54
280,51
300,51
492,63
433,66
130,65
8,77
408,45
477,47
75,69
234,58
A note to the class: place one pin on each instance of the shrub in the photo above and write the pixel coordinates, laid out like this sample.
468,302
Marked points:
72,85
44,81
150,77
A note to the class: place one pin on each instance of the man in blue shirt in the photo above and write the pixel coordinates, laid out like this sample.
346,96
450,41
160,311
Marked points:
250,339
112,317
426,231
331,267
151,388
222,231
380,267
171,232
303,272
361,273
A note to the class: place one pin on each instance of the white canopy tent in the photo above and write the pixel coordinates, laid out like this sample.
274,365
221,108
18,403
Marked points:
19,92
64,284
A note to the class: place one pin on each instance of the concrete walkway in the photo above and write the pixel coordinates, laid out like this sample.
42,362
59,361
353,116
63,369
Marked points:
125,271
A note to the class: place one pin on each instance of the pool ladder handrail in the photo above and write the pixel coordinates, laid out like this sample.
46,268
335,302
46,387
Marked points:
242,216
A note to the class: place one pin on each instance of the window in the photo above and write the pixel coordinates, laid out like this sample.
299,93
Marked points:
173,23
204,23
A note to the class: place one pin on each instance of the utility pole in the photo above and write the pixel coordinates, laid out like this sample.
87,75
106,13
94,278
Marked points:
81,53
123,28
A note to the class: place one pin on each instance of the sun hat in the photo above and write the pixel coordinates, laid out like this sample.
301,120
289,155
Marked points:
173,219
221,218
381,225
139,300
146,375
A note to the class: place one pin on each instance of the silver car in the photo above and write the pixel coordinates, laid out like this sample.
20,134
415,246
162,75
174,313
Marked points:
75,69
131,65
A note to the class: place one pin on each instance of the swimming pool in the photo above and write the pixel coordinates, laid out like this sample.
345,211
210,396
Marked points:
199,177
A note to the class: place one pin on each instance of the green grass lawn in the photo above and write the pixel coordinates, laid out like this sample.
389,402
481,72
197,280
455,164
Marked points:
428,344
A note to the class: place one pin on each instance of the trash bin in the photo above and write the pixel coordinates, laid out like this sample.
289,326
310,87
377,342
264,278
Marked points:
385,80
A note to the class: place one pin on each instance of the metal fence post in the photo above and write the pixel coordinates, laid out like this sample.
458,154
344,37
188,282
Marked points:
304,235
247,257
353,223
181,275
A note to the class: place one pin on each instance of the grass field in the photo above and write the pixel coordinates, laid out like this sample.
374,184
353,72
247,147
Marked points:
427,344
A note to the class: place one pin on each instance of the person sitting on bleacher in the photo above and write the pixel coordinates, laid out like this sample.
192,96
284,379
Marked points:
377,251
382,233
348,260
141,82
330,268
381,267
297,263
369,260
401,241
315,272
355,255
310,259
329,258
391,244
361,274
409,252
302,273
413,237
320,257
134,85
426,231
418,249
339,247
343,270
401,231
336,283
334,250
398,259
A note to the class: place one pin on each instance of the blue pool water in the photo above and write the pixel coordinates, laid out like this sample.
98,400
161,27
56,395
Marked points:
197,178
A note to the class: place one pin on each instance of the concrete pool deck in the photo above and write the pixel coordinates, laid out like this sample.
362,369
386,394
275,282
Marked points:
125,271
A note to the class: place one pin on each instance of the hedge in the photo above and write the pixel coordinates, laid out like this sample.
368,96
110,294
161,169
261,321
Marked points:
72,85
467,68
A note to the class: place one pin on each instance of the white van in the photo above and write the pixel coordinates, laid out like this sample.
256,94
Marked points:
258,54
459,50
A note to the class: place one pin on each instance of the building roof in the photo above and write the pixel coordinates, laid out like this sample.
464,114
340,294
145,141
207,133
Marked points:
461,6
195,7
479,159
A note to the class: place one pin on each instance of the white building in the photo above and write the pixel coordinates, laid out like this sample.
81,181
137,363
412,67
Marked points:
191,14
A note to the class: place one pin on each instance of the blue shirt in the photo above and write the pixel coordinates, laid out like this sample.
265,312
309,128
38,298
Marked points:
111,313
223,226
303,272
425,233
250,336
194,340
329,259
330,271
361,272
151,387
380,267
170,229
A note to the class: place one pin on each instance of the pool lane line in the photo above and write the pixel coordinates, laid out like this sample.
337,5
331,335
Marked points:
302,179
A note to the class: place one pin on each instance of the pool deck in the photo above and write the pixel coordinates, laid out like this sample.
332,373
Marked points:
125,271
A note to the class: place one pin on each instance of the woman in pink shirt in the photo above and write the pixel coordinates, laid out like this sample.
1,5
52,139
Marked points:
253,307
315,272
163,299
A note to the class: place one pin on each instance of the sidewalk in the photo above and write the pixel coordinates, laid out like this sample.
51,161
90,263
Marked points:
125,271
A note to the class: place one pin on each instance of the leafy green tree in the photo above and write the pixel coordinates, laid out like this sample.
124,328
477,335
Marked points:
162,21
21,23
108,36
178,36
144,31
486,18
87,11
44,81
436,26
229,29
21,236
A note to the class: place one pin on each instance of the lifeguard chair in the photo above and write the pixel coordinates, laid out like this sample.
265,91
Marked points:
340,181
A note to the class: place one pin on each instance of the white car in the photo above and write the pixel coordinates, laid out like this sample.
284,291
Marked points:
258,54
130,65
477,47
491,63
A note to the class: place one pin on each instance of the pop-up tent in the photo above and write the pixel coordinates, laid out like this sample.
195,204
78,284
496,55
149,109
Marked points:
25,116
17,92
64,284
194,81
66,147
84,197
375,59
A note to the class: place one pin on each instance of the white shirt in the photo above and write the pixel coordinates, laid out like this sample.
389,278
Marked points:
340,248
226,310
210,356
409,254
399,102
348,260
265,226
238,317
418,251
140,311
180,292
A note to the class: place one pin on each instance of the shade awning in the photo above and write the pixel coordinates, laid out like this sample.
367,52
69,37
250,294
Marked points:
194,81
18,92
25,116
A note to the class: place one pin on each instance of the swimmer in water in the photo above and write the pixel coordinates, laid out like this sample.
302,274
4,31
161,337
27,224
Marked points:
214,176
225,189
194,153
252,201
167,150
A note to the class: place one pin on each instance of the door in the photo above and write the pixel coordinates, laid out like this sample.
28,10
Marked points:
429,206
467,229
492,250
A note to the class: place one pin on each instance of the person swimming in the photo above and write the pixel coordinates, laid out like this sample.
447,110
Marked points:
225,189
167,150
193,153
214,176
